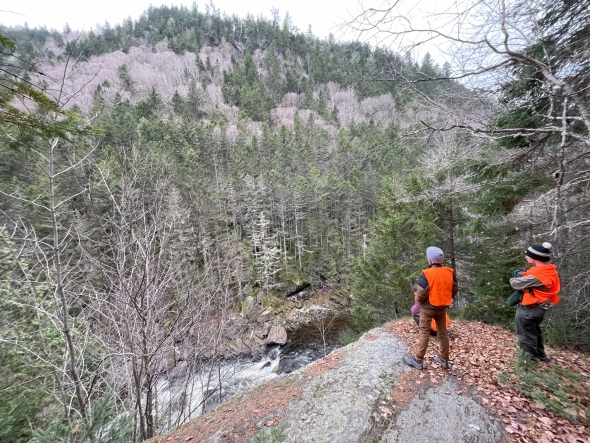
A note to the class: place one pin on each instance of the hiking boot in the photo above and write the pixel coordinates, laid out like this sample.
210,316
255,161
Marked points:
544,359
411,361
440,361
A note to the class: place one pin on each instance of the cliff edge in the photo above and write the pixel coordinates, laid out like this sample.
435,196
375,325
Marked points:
364,393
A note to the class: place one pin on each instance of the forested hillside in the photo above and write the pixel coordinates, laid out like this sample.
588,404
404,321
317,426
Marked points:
160,174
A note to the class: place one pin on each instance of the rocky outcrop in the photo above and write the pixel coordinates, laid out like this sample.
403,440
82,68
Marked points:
239,46
359,393
255,327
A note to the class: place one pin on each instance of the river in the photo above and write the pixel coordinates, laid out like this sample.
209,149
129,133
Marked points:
184,395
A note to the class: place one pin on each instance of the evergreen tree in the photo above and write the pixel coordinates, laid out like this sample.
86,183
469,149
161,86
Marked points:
178,103
394,255
127,83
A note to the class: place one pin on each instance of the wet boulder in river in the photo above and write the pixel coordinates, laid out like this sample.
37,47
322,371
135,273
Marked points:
276,336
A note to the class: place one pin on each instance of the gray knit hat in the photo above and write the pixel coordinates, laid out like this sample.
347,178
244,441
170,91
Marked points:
434,255
540,252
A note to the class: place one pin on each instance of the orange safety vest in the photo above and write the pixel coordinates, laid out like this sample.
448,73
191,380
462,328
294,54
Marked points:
433,323
548,276
440,282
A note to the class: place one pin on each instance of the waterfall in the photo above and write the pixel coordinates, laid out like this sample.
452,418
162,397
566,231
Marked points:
187,392
190,390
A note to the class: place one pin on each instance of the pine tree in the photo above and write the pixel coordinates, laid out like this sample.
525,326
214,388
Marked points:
394,256
178,103
127,83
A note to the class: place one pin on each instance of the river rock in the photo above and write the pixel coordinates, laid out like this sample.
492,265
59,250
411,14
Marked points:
276,336
262,331
238,346
346,398
340,299
238,325
266,316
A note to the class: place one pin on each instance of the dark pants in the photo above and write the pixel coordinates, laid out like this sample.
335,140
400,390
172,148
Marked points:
528,330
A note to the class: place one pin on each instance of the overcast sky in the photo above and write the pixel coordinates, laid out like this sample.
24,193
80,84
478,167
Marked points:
323,15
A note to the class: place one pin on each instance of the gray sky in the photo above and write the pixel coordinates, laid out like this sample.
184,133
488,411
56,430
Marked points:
323,15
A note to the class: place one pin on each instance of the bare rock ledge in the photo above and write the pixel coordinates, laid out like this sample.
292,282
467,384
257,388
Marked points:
349,397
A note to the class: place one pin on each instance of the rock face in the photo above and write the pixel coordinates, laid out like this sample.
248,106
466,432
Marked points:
349,397
276,336
439,414
340,403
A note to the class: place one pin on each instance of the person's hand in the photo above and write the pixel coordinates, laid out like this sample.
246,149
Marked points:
517,272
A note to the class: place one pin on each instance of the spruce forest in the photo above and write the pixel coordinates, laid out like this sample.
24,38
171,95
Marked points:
160,175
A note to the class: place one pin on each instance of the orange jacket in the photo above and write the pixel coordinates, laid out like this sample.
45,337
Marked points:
440,282
548,276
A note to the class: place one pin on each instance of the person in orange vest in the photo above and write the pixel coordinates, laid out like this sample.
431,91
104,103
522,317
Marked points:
436,289
540,286
415,310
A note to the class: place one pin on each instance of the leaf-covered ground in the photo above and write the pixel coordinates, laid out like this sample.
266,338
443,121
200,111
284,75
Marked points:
537,402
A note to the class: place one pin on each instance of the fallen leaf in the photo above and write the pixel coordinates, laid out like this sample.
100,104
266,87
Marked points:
189,438
510,429
386,410
546,421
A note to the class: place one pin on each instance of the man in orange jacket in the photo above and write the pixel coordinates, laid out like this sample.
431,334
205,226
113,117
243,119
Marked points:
436,290
540,286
